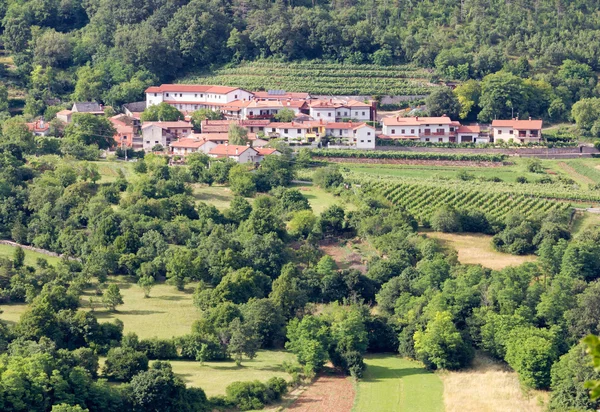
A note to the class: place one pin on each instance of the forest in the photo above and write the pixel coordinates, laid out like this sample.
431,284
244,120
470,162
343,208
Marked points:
541,55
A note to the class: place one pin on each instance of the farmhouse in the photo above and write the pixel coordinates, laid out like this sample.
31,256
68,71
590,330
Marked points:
128,129
189,98
288,131
521,131
88,107
163,133
334,110
237,153
425,129
470,134
188,145
359,135
39,127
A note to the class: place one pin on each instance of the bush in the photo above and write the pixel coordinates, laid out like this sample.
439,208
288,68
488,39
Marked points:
254,394
124,363
521,179
446,219
328,177
158,348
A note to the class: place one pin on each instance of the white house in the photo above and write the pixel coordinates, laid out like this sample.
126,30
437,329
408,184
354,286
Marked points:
163,133
521,131
192,97
188,145
426,129
470,134
287,130
360,135
335,110
240,154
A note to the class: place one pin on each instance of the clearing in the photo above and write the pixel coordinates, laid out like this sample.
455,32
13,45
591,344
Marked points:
165,314
221,196
214,377
394,384
350,254
488,386
475,248
330,392
7,251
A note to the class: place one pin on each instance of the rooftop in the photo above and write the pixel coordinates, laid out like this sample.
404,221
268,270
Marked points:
415,121
519,124
191,88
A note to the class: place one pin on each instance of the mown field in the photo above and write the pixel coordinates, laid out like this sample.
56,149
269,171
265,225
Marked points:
321,78
7,251
394,384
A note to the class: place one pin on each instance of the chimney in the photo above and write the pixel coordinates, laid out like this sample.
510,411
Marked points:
417,118
236,151
529,117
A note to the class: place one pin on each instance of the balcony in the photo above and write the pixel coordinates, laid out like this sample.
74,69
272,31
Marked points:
438,134
259,116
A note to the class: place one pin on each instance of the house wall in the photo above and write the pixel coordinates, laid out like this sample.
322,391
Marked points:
181,100
152,136
361,113
364,138
292,133
325,114
247,156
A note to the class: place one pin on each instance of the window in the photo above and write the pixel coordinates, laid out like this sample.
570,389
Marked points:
273,130
155,94
318,114
147,141
362,141
180,94
285,131
201,95
427,139
363,113
345,113
393,131
355,113
328,114
440,131
510,132
167,94
195,107
184,131
368,141
440,140
235,96
402,131
195,94
368,133
299,131
499,131
156,141
412,131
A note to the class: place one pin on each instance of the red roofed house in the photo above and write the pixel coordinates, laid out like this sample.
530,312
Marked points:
266,151
521,131
426,129
39,127
288,131
240,154
192,97
188,145
334,110
127,130
360,135
470,134
163,133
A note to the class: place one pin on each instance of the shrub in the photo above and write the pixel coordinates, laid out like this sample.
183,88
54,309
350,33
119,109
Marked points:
158,348
124,363
446,219
254,394
521,179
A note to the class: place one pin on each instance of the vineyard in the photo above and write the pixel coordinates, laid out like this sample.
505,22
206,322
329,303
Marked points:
366,154
321,78
422,198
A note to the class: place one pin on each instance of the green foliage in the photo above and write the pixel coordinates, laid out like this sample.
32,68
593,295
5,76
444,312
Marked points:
360,154
122,364
309,340
88,129
112,297
255,394
241,181
161,112
285,115
442,101
237,134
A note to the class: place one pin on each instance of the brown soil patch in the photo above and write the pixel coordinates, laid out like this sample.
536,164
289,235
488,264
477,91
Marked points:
344,255
465,163
331,392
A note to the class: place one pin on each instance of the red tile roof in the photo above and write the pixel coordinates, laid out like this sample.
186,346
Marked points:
264,151
169,125
519,124
191,88
38,126
469,129
188,143
229,150
286,95
346,125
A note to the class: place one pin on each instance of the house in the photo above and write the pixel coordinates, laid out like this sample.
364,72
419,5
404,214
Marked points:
360,135
188,145
521,131
65,116
470,134
426,129
287,130
266,151
240,154
127,131
88,107
192,97
163,133
335,110
135,107
39,127
267,109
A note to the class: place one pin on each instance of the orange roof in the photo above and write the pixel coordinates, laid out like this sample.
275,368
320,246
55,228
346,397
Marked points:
218,136
469,129
287,125
519,124
191,88
229,150
415,121
356,103
264,151
188,143
38,126
285,95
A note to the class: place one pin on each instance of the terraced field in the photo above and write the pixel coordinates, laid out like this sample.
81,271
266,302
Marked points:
321,78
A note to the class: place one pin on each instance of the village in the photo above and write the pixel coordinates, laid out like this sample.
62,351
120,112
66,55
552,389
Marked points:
334,123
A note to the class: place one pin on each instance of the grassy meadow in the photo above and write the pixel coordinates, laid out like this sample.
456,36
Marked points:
476,248
394,384
7,251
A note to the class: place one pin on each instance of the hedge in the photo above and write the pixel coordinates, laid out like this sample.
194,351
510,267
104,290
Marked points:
363,154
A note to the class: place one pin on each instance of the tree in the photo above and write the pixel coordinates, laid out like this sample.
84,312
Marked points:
146,283
285,115
441,344
237,134
180,267
201,115
442,101
239,209
446,219
122,364
88,129
302,223
241,181
161,112
468,94
112,297
586,113
244,340
64,407
18,257
309,340
502,96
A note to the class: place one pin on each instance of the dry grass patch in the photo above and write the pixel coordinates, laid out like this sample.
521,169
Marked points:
477,249
488,386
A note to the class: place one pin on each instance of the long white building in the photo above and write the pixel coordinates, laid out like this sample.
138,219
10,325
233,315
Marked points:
192,97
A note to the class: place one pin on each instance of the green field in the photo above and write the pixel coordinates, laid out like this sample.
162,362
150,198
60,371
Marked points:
7,251
213,377
320,78
221,196
394,384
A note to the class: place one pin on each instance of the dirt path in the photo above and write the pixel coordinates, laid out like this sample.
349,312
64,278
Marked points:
574,173
331,392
